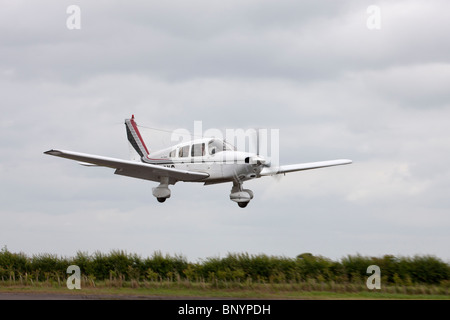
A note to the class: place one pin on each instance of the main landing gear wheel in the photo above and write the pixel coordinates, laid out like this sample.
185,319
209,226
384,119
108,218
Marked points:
242,204
240,195
162,192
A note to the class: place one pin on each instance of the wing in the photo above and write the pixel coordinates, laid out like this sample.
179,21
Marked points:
131,168
268,171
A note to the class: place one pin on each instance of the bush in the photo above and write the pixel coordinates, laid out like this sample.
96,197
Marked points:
240,268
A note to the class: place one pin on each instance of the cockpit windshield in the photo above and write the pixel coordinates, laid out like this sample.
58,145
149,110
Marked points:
216,145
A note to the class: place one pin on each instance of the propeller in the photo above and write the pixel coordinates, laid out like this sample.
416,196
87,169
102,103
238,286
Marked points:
262,147
259,159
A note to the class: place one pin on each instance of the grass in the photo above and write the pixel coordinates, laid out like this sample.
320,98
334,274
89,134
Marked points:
189,290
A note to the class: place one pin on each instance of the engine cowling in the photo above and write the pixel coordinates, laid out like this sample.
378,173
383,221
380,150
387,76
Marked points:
255,160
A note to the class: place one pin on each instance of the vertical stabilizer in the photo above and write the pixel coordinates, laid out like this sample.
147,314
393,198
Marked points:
135,138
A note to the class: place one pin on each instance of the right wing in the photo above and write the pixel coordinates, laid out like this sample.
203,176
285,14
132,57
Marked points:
132,168
268,171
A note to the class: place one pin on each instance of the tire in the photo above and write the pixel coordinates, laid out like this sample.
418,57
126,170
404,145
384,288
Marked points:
242,204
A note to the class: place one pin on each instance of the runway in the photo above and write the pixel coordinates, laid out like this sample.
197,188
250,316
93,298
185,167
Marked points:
62,296
74,296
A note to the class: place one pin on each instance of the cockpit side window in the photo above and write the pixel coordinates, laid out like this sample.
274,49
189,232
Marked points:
198,150
216,145
184,151
228,147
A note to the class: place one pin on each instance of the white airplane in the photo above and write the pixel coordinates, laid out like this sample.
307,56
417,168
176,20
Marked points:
206,160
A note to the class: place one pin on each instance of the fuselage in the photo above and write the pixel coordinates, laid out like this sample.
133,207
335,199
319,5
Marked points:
209,155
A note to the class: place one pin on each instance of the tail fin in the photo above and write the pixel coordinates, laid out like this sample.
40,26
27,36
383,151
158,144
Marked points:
135,138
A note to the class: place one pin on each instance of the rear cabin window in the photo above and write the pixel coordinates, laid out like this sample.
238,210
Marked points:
173,153
198,150
184,151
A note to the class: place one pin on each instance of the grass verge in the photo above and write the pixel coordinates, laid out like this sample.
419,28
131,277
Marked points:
176,291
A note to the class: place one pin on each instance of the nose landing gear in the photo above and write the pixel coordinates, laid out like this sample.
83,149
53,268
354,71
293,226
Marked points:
239,195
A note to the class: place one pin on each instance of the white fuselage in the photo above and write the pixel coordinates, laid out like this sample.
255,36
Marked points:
211,156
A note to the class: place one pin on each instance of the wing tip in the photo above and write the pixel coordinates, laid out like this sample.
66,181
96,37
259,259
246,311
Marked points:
53,152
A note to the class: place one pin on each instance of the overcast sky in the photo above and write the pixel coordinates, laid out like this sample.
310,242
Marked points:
334,87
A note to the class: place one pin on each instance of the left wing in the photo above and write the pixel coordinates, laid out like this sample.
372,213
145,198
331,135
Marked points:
132,168
268,171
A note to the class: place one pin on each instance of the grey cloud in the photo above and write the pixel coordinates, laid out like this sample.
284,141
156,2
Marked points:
311,69
178,41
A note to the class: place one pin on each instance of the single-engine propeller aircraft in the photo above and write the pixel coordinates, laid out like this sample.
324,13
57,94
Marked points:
206,160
